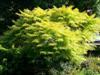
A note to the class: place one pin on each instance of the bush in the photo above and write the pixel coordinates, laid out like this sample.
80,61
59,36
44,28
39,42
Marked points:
42,39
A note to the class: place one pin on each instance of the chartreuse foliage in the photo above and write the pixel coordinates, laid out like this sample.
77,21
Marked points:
13,6
47,37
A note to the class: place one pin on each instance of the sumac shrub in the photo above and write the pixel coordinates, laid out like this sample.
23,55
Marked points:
42,39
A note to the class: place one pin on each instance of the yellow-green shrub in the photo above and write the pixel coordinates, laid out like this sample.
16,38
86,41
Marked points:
47,37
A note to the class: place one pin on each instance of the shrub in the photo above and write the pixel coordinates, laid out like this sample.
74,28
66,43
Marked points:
42,39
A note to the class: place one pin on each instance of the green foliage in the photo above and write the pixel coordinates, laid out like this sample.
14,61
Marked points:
97,8
87,72
90,67
8,8
94,64
50,3
91,6
41,39
84,4
93,67
68,69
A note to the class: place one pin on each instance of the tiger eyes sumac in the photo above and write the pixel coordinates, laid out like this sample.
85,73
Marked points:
41,39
